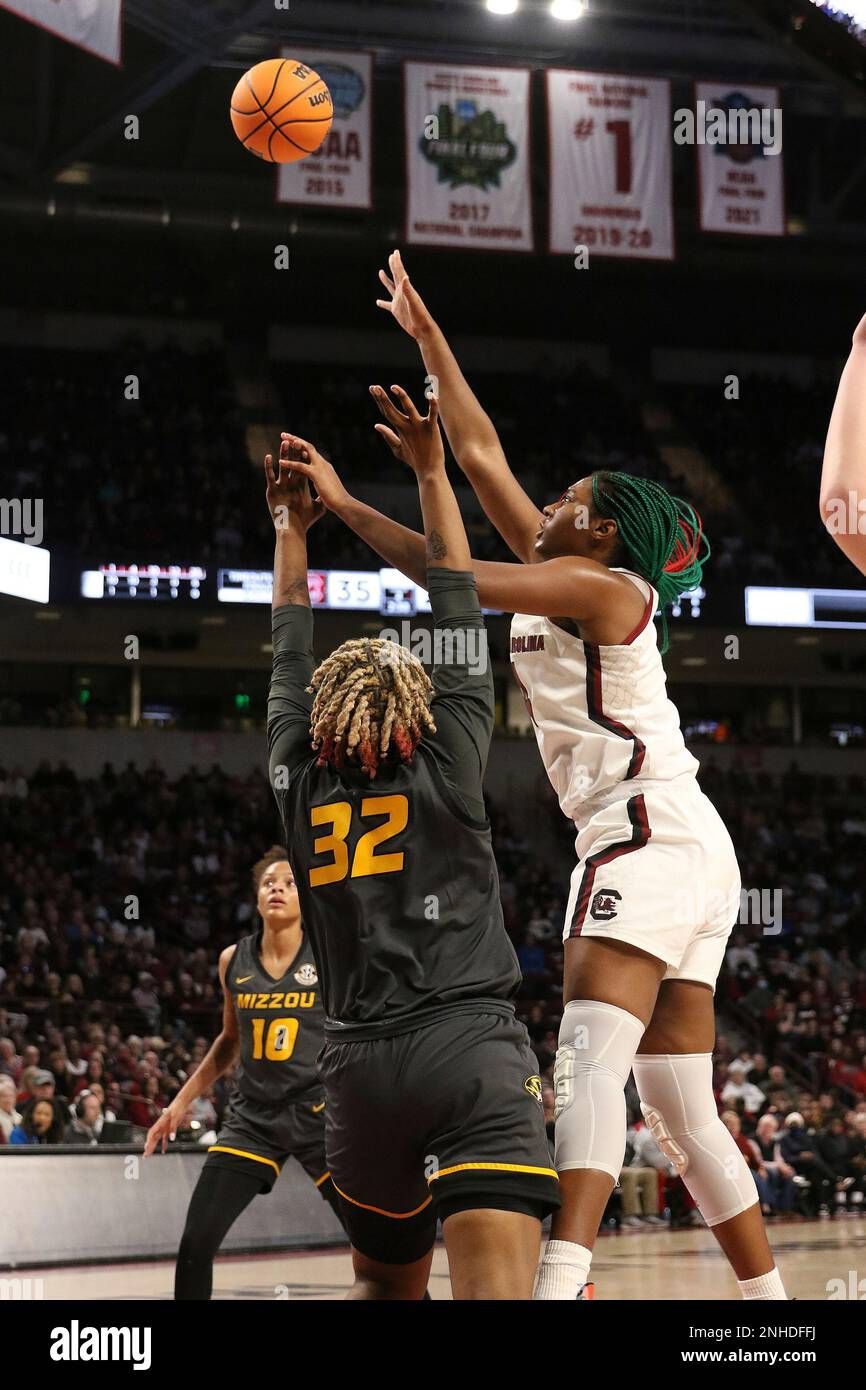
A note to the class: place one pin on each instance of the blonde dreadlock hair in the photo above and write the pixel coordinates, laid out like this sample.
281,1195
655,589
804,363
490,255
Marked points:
371,697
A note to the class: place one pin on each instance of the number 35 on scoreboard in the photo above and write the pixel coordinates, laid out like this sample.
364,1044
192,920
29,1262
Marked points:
610,164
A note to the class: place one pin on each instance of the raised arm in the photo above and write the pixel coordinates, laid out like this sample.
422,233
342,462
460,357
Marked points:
293,511
471,433
843,479
464,705
566,587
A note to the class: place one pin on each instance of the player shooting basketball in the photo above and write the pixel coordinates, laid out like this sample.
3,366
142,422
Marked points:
656,888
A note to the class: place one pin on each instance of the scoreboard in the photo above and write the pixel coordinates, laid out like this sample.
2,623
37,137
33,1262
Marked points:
143,582
374,591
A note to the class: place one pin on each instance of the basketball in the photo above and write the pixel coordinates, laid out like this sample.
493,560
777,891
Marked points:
281,110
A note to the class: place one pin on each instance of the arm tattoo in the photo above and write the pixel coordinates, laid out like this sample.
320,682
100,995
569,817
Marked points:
436,547
295,591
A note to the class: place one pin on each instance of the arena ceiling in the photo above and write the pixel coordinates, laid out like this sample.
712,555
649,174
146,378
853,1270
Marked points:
61,109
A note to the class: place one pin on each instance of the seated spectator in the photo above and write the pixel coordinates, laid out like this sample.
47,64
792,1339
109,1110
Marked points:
41,1123
835,1148
145,1109
799,1149
738,1090
38,1085
87,1125
775,1177
639,1181
9,1116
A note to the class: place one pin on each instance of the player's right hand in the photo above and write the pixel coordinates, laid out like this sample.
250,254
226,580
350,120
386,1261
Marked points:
405,304
166,1128
306,459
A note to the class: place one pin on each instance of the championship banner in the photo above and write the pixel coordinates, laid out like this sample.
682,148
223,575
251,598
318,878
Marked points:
610,165
467,156
738,135
338,173
92,24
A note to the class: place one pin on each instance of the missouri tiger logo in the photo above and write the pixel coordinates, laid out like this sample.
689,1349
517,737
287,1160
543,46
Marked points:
532,1084
307,975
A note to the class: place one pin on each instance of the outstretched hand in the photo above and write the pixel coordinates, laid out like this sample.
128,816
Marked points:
412,438
308,463
288,491
405,304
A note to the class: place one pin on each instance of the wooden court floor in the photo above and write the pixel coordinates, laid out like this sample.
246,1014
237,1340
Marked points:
634,1264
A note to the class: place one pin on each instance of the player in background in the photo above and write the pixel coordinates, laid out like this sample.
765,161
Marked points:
656,888
843,479
434,1101
272,1024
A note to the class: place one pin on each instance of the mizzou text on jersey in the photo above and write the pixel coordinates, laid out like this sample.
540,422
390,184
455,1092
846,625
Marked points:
278,1108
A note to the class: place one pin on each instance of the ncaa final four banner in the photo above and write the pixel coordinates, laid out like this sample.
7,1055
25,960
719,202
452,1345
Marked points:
92,24
737,132
610,165
338,173
467,156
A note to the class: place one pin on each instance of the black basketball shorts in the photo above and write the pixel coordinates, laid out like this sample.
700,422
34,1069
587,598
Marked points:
259,1138
444,1118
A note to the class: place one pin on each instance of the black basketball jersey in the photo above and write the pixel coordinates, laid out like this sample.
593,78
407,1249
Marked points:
280,1023
399,893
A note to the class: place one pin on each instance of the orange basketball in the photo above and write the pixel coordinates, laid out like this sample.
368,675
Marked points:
281,110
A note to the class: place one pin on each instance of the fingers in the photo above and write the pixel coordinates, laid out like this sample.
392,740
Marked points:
396,267
301,445
269,470
433,411
387,407
393,440
387,282
406,401
300,466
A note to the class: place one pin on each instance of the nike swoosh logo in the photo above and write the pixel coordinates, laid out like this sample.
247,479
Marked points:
241,980
317,1109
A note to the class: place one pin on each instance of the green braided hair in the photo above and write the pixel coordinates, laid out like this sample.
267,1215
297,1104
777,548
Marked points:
661,534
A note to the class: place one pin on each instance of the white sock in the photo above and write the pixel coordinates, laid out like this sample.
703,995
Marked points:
563,1271
767,1287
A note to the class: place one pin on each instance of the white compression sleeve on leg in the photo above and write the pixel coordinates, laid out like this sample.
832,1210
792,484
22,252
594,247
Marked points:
597,1044
679,1107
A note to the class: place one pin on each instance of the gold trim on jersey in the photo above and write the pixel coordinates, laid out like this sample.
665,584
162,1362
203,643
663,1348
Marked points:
323,1178
394,1215
494,1167
242,1153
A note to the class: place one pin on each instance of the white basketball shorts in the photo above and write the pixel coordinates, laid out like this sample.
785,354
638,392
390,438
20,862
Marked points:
657,869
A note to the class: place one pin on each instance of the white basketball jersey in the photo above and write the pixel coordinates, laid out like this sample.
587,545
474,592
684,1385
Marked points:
601,715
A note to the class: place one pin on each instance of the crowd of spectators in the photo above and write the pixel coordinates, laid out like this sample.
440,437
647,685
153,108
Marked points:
181,436
110,932
767,447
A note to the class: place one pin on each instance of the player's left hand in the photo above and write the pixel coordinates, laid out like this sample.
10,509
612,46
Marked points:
412,438
288,491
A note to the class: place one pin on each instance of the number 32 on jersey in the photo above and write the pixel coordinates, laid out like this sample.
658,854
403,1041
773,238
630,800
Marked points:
337,815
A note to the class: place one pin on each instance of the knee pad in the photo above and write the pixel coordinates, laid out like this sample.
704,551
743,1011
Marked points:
676,1094
597,1044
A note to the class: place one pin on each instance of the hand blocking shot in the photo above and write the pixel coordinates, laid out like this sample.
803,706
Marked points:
433,1095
